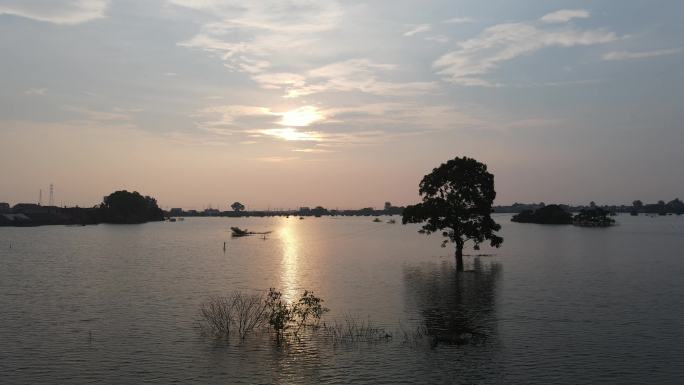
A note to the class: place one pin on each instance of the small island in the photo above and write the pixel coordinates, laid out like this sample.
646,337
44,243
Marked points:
547,215
596,217
557,215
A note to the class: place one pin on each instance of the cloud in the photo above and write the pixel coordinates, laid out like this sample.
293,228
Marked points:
65,12
459,20
503,42
246,34
280,80
292,134
335,126
416,29
98,115
260,39
279,16
36,91
276,159
626,55
227,119
311,150
437,38
244,115
409,115
361,75
564,15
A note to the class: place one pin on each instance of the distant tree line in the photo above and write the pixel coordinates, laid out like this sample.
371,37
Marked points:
556,215
238,210
119,207
674,206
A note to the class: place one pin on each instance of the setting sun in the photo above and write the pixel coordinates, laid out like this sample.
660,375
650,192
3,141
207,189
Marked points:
301,117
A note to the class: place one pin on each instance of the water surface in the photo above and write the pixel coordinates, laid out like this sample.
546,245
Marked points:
558,304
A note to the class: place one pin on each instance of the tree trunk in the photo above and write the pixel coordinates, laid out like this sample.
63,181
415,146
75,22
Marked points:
459,257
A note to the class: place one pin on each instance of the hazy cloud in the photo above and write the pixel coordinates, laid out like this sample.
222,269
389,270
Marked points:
277,159
67,12
416,29
361,75
459,20
437,38
36,91
626,55
246,34
565,15
219,117
292,134
503,42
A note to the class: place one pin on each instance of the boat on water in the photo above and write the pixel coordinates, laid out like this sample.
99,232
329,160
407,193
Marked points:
238,232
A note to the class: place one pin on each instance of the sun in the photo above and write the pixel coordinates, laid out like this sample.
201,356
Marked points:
301,117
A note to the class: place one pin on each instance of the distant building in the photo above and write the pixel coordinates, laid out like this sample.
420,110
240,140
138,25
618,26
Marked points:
30,208
176,212
388,205
4,208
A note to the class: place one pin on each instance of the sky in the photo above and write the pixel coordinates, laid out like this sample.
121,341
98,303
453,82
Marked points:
345,104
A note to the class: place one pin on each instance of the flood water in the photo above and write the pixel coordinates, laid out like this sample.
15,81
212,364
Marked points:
558,304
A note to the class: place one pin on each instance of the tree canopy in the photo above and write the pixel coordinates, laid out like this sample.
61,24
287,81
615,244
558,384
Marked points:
130,207
237,206
457,199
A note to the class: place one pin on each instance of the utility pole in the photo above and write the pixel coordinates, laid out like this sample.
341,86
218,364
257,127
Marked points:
40,197
52,195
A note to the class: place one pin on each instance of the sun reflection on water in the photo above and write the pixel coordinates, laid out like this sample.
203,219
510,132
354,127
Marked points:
290,262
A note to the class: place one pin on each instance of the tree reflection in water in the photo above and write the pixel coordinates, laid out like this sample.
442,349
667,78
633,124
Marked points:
457,308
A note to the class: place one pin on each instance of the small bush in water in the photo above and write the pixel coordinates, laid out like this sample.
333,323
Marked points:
246,313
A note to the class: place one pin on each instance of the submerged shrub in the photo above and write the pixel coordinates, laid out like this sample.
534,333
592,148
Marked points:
307,311
280,312
244,313
238,312
352,330
241,314
217,315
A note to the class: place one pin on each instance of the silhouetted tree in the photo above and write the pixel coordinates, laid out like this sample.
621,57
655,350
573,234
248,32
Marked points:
237,207
319,210
457,200
130,207
638,205
676,206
